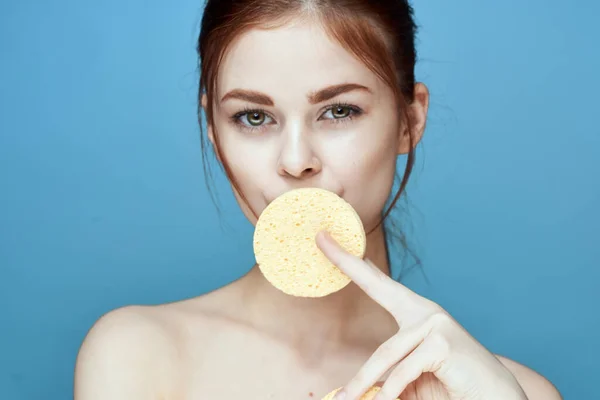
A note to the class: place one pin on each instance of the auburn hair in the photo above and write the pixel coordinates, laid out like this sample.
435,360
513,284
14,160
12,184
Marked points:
380,33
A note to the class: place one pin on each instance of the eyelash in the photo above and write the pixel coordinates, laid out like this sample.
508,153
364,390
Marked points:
354,112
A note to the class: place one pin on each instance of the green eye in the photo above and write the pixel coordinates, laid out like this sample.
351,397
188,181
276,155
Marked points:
255,118
341,112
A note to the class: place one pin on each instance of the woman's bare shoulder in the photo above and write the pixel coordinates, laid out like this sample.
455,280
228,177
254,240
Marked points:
120,352
134,351
126,328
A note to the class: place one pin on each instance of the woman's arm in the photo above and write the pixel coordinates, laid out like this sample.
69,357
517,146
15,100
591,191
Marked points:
429,340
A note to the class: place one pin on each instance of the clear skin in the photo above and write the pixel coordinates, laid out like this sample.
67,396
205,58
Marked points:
249,340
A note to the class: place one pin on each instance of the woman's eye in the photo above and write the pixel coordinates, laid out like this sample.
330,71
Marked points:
252,119
339,112
255,118
258,119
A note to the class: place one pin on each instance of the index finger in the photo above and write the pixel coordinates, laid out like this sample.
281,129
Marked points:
374,282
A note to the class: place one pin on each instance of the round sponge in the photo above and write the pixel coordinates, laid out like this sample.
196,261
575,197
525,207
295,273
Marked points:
285,247
369,395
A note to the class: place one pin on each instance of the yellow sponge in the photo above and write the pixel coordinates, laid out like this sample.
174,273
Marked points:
285,247
367,396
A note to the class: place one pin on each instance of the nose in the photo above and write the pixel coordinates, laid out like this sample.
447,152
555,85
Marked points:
297,158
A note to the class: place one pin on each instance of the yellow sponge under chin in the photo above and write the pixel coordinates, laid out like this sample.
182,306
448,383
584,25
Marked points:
369,395
285,247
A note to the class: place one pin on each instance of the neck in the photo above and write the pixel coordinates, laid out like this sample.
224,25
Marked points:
312,322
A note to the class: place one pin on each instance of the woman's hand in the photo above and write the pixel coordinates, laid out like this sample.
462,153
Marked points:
428,340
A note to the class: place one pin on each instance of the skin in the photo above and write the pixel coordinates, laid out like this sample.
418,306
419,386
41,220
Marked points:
249,340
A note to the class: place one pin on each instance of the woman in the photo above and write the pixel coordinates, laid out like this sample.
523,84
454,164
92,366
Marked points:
315,93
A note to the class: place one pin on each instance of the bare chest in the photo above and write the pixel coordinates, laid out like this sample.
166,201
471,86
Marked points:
260,373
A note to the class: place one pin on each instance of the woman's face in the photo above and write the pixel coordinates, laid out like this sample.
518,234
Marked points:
295,109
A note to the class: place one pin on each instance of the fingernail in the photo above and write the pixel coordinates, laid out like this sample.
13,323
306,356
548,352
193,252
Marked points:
324,235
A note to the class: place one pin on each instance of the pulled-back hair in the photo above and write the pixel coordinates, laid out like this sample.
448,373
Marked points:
380,33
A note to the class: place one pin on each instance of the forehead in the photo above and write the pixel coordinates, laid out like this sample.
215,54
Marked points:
296,58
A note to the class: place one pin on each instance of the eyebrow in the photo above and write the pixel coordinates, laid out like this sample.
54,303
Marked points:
313,98
250,96
332,91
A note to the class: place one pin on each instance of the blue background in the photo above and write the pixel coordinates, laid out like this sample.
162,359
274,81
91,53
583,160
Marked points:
103,201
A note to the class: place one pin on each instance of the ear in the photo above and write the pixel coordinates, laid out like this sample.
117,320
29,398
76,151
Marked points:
204,103
417,112
209,128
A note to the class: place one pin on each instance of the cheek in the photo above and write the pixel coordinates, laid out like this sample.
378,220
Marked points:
367,177
248,163
369,174
372,185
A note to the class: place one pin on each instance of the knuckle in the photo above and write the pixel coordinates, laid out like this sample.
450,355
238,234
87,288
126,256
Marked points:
439,317
440,343
432,306
427,308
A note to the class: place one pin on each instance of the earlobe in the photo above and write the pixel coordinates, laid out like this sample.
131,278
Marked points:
417,113
210,134
209,128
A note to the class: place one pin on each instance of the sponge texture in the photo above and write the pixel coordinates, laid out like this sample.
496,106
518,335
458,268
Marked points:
285,247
